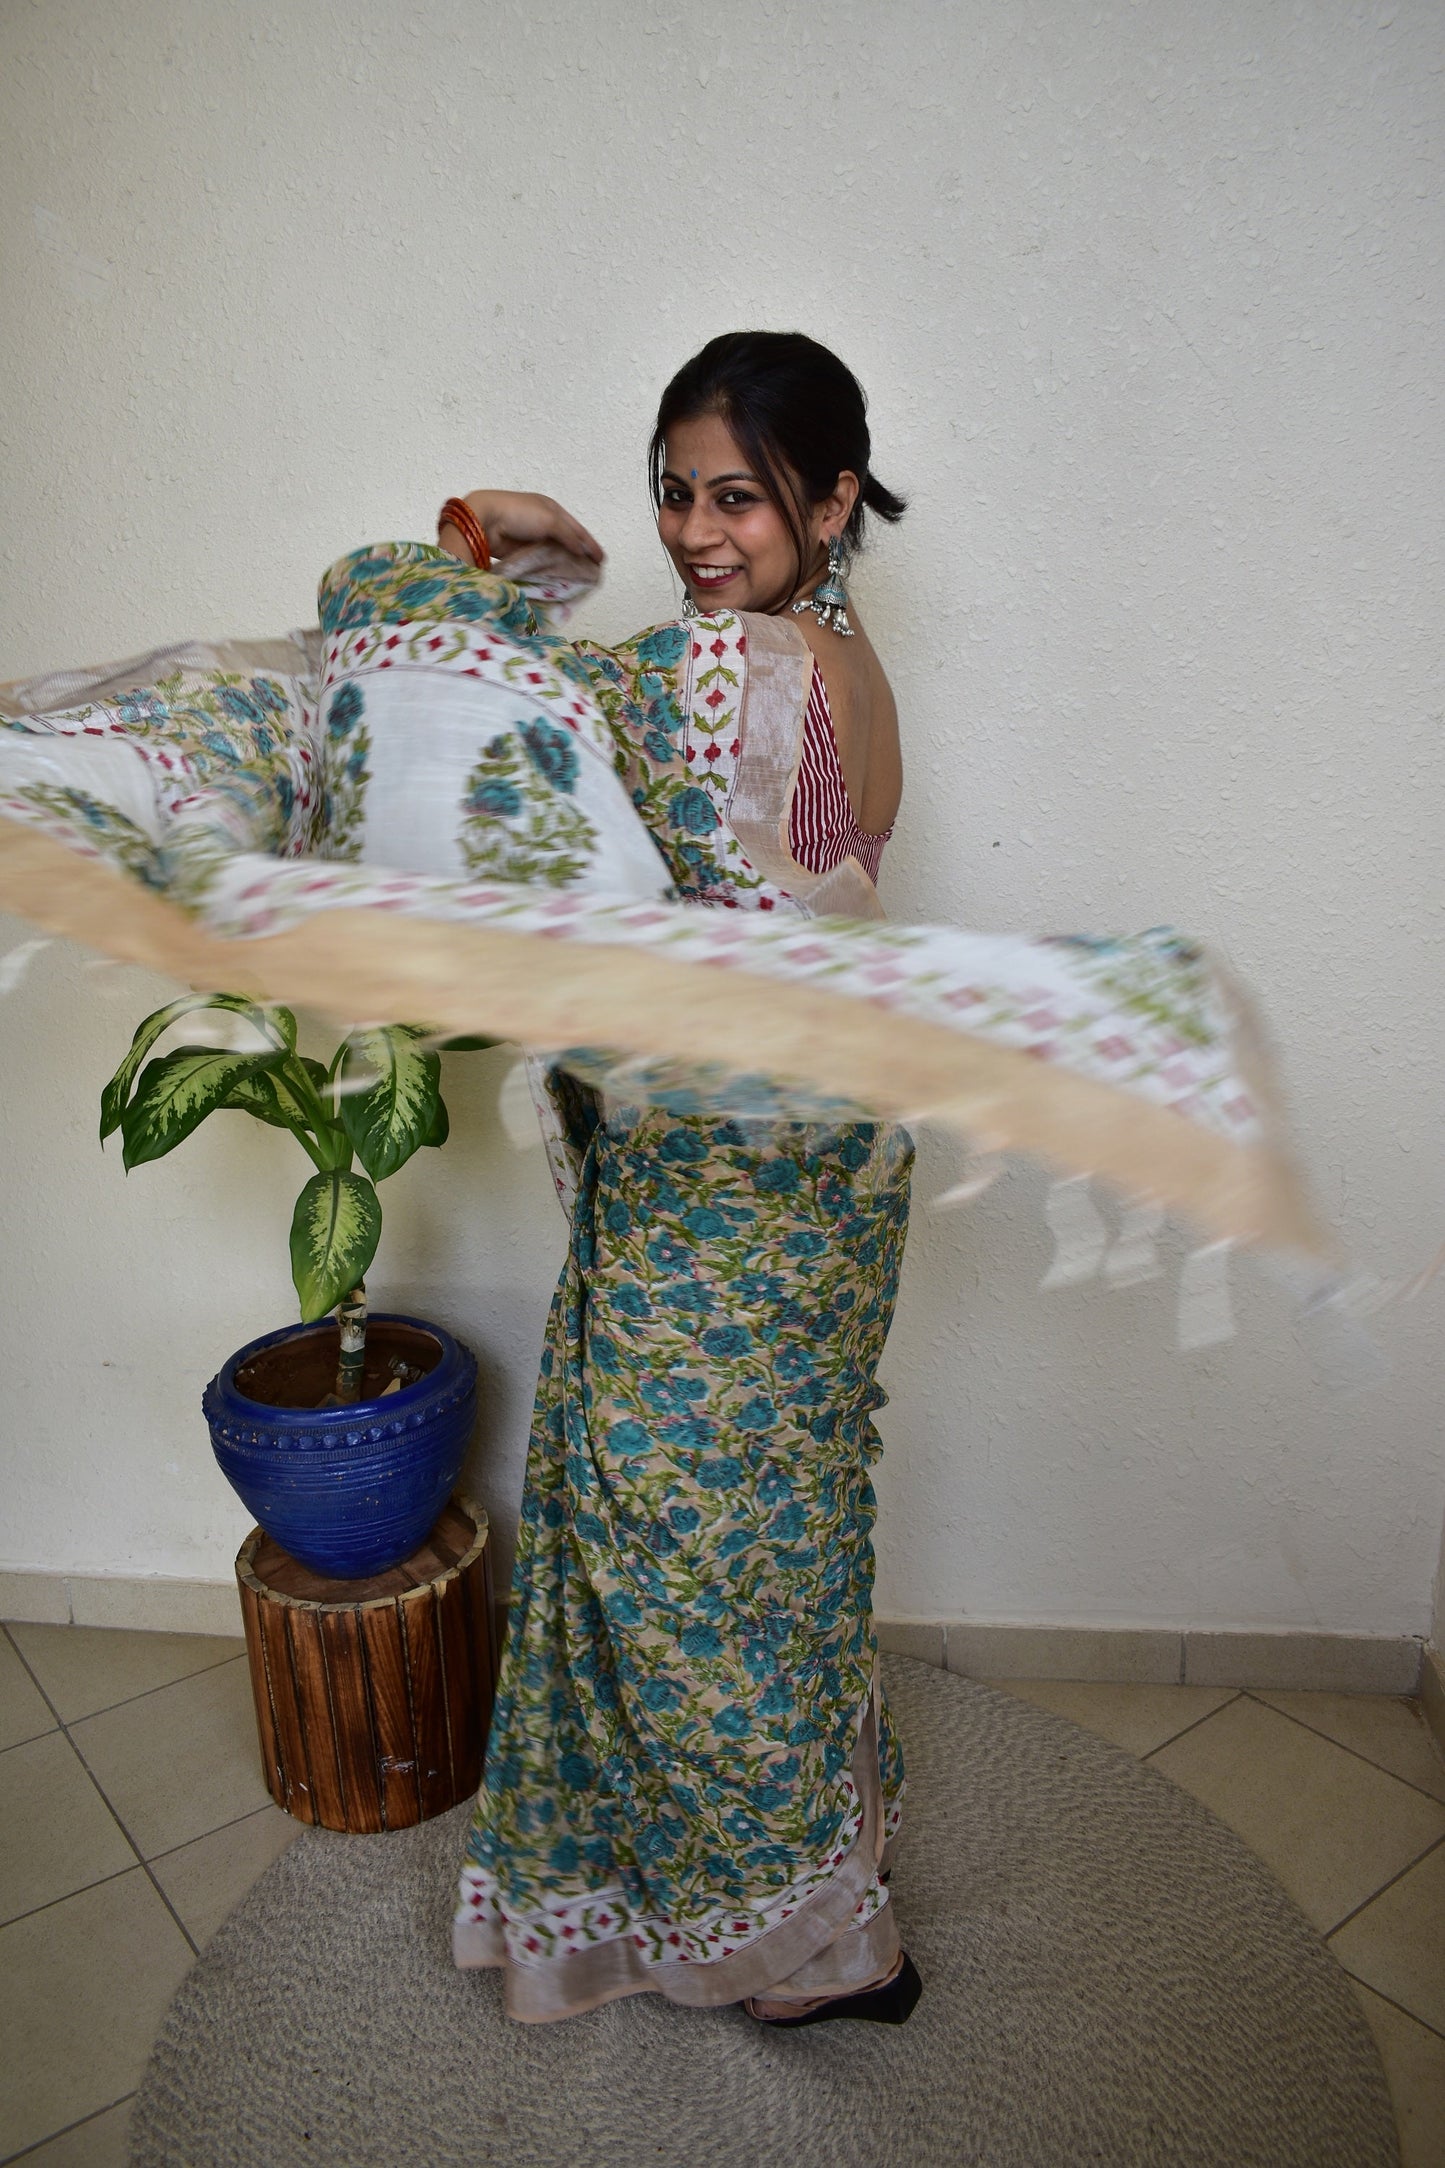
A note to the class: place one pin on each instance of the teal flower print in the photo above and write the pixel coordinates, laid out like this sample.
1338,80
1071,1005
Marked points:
720,1472
552,753
725,1340
418,592
682,1146
139,708
499,797
345,709
659,1694
694,1435
660,650
629,1438
240,705
692,810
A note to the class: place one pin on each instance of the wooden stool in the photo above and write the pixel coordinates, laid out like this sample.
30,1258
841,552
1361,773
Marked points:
373,1697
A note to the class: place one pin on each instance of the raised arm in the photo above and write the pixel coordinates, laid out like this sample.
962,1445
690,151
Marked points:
514,519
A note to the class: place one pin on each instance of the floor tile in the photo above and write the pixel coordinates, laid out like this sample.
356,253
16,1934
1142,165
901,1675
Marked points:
83,1988
1414,2061
208,1878
86,1668
1397,1944
1140,1718
180,1761
1332,1828
57,1834
23,1710
102,2142
1387,1730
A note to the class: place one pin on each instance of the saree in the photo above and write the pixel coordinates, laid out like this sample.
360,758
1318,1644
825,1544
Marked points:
440,810
692,1785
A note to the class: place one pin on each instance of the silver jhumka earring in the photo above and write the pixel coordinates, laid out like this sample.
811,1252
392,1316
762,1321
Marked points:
689,607
829,601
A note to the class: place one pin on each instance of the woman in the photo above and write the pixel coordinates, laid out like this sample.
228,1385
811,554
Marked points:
691,1785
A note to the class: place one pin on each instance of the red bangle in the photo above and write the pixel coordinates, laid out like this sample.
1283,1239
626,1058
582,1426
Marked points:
459,514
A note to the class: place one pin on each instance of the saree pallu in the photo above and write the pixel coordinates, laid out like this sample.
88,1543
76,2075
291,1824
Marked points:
691,1777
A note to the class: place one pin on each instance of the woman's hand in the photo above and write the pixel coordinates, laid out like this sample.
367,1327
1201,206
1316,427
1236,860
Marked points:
514,519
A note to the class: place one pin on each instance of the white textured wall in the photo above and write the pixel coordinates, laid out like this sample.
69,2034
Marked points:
1147,298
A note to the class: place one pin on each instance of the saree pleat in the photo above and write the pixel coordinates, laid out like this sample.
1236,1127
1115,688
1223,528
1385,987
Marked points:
692,1777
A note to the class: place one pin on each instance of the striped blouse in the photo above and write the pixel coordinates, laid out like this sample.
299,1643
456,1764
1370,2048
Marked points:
823,829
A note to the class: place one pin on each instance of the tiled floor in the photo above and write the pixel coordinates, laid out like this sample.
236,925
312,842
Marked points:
133,1816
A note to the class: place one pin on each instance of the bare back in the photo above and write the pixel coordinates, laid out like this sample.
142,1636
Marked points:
865,720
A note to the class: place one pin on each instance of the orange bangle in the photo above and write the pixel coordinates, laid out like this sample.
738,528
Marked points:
459,514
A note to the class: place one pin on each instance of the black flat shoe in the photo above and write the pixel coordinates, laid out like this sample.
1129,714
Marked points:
891,2004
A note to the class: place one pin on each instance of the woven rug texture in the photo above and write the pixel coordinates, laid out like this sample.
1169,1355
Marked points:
1110,1977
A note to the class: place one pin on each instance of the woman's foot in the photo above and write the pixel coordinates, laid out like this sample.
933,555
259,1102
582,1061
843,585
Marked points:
889,2001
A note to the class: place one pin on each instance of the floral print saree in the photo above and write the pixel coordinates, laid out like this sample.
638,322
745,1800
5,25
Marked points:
692,1779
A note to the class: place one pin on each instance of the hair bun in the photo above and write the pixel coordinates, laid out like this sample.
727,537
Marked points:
881,500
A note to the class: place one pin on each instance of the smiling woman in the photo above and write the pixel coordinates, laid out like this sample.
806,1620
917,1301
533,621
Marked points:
692,1786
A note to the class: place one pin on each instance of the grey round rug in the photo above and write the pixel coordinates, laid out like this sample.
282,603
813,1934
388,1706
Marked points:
1109,1977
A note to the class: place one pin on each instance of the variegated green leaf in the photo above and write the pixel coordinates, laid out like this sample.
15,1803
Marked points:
395,1110
441,1128
334,1233
176,1093
282,1029
295,1095
255,1093
306,1091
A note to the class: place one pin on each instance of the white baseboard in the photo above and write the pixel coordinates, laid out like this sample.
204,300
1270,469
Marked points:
1279,1658
1432,1693
146,1603
1273,1658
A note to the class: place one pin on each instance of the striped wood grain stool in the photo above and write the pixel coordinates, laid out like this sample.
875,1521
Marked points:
373,1697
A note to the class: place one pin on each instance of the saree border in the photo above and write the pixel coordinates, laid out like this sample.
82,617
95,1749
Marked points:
791,1958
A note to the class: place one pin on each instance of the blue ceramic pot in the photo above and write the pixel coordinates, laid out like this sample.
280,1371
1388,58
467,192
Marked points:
353,1490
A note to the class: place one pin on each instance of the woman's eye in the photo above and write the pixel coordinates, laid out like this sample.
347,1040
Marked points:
736,499
674,496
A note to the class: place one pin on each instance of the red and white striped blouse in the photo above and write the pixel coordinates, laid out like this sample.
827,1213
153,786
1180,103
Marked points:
822,828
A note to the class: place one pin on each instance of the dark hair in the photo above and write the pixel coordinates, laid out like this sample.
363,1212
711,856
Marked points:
797,412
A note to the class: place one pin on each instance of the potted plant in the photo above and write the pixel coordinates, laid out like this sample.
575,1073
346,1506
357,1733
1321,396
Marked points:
343,1435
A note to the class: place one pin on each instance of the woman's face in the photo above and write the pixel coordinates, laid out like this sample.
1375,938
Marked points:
727,538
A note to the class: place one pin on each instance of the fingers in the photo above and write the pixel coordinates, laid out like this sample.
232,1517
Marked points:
573,536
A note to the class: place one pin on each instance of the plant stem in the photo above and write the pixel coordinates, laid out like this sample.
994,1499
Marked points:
351,1317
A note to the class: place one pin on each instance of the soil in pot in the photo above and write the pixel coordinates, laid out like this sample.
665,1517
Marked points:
301,1372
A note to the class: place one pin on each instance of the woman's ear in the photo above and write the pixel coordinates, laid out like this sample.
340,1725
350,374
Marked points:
836,509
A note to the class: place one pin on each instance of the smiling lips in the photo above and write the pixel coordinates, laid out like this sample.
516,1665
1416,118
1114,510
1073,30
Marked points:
712,575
